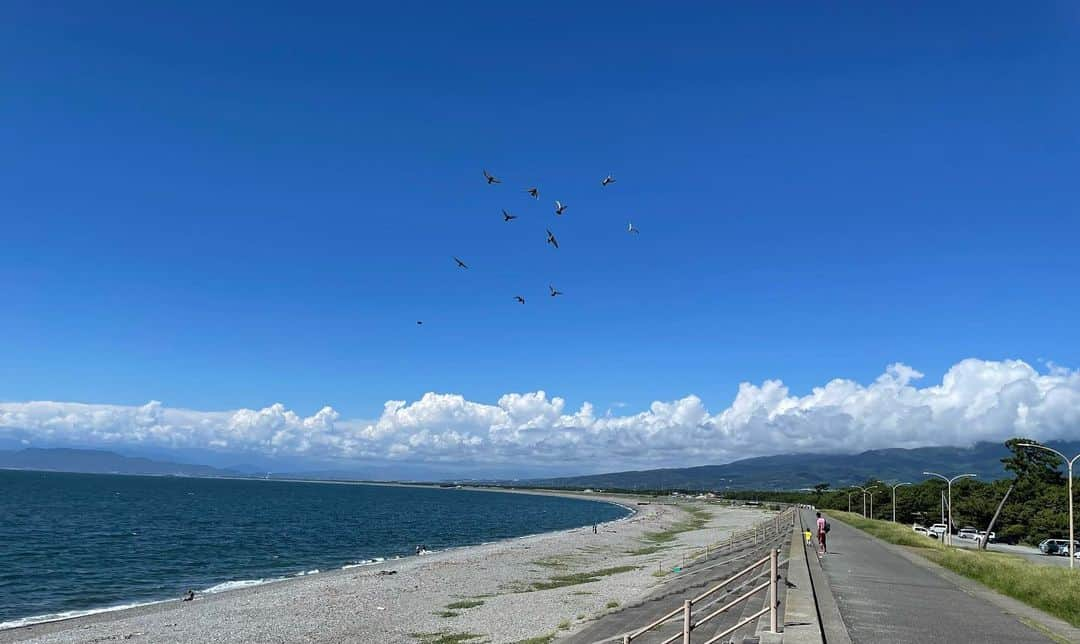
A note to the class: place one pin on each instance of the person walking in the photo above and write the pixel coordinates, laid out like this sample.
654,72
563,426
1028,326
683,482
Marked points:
822,528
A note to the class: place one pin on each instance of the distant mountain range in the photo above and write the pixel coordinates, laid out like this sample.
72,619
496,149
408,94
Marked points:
781,472
93,461
798,471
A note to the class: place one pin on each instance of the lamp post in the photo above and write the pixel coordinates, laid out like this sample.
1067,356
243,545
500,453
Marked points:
864,493
1072,543
849,501
948,527
894,499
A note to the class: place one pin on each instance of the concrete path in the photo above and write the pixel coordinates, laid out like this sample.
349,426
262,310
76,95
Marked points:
883,597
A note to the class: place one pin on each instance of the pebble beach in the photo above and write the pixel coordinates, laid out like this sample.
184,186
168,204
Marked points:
531,589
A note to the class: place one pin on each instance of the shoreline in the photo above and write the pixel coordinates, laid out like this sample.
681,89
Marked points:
538,587
141,607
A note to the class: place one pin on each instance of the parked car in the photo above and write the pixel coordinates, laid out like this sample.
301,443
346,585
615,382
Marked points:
1057,547
921,530
968,533
1064,548
991,539
939,529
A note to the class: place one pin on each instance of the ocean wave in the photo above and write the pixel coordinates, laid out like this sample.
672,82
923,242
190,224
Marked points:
238,584
363,562
69,614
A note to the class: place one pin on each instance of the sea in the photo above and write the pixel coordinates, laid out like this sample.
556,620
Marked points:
76,544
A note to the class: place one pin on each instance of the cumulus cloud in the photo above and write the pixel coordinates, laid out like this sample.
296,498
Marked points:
976,400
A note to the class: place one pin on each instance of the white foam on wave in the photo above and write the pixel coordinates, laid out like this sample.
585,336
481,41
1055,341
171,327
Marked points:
240,583
70,614
362,562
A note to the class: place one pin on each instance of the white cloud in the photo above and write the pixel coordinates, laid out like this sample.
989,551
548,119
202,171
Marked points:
976,400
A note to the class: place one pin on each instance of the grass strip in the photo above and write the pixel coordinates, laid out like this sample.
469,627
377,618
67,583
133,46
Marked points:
465,603
446,637
574,579
698,519
540,639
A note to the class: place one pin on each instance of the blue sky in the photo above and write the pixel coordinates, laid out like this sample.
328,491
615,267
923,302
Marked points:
224,208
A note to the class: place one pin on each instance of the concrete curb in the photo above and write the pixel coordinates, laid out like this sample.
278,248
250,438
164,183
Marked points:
801,623
833,628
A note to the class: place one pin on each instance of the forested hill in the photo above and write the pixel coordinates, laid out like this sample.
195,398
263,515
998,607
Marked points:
798,471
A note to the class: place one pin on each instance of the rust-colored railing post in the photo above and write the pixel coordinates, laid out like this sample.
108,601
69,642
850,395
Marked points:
686,622
772,589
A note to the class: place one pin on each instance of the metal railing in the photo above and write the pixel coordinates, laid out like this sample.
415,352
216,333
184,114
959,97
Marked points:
783,520
756,534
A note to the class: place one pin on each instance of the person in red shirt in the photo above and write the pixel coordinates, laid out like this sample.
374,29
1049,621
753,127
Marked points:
821,523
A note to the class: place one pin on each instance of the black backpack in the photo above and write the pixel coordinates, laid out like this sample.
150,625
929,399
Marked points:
828,526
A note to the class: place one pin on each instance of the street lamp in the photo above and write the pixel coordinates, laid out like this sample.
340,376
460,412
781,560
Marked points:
864,493
1072,543
948,528
894,499
871,491
849,500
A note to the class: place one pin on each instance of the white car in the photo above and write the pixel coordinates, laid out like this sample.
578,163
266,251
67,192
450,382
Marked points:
968,533
921,530
939,529
990,539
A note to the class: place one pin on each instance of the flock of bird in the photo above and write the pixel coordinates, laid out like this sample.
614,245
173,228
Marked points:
560,208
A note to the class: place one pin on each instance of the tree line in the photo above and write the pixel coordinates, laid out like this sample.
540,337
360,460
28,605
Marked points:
1036,509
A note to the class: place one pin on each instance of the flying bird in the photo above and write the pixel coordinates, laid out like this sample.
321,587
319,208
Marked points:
630,228
507,216
490,178
554,291
551,239
419,322
460,263
559,208
534,193
520,299
607,180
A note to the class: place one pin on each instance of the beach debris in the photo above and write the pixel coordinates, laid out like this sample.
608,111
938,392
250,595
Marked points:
189,597
383,573
380,608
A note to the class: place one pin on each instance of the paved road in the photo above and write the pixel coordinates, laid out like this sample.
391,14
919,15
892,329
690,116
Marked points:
1027,552
885,598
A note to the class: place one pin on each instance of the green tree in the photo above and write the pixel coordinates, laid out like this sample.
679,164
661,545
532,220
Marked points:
1032,466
